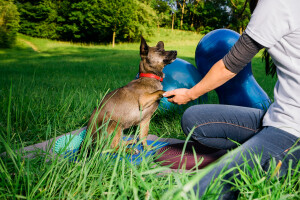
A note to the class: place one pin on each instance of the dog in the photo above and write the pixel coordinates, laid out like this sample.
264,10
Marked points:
135,103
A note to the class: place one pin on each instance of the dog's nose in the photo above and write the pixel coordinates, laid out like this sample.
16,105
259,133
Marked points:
175,53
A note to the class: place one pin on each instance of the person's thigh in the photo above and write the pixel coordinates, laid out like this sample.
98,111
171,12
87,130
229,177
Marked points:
269,143
217,125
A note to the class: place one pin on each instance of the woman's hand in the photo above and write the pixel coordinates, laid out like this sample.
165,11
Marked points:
179,96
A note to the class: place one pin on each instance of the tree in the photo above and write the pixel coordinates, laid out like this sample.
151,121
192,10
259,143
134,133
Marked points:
118,14
163,12
127,19
103,21
240,15
170,12
94,21
181,4
9,23
81,21
38,18
193,11
210,15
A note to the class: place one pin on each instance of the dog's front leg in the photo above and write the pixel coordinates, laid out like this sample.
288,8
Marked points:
146,100
144,128
116,144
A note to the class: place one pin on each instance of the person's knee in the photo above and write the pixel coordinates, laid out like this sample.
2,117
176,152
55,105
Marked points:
185,120
189,122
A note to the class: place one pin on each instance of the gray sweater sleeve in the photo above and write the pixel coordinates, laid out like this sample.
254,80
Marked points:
241,53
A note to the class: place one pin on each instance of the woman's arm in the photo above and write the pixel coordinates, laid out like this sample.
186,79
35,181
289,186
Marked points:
216,76
237,58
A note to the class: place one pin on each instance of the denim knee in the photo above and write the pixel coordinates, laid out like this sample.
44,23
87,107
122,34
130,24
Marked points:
187,122
218,125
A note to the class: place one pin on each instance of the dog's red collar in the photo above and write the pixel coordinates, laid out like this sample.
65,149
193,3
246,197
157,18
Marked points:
151,76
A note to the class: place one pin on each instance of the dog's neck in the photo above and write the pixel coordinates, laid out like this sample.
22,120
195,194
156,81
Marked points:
145,68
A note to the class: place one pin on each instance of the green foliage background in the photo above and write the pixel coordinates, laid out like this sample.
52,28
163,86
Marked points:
95,21
85,21
9,23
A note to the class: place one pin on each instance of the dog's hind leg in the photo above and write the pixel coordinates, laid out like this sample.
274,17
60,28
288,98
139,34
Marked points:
115,144
144,129
114,127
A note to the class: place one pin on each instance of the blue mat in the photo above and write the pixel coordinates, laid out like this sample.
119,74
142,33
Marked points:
69,145
136,159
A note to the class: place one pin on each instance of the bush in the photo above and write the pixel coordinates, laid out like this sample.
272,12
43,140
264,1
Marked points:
9,23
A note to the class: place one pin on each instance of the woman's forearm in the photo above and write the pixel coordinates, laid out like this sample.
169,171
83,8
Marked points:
216,76
235,60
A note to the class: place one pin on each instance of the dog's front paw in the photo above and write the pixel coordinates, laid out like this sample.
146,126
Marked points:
132,151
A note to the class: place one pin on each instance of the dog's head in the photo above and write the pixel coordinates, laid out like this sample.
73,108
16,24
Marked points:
156,58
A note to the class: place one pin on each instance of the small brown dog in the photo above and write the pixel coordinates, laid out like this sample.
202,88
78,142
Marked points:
135,103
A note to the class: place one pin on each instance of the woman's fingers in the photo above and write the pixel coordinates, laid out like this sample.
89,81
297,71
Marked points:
178,96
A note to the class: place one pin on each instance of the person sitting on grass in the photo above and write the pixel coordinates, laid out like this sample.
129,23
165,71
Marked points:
275,26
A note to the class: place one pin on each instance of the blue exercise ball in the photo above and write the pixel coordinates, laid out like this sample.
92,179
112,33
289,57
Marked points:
179,74
242,90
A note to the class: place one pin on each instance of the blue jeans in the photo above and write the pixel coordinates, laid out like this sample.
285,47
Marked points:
219,125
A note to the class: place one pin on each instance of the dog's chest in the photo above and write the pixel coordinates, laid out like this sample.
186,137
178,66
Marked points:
133,118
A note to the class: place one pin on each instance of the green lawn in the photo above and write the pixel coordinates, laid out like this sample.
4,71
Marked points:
60,85
53,91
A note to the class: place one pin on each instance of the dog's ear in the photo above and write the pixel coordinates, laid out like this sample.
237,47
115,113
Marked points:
160,45
144,47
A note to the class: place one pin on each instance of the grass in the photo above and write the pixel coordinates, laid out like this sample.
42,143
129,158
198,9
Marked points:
62,84
47,93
